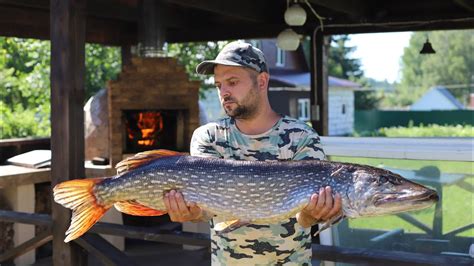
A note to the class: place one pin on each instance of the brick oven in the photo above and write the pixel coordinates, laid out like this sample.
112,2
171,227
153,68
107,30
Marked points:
151,105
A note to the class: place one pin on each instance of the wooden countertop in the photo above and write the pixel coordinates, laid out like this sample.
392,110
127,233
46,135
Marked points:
12,175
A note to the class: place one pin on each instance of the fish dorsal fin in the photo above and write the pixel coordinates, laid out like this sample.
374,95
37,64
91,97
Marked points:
142,158
134,208
228,226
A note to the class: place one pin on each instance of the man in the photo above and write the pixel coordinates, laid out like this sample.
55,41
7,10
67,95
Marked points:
253,131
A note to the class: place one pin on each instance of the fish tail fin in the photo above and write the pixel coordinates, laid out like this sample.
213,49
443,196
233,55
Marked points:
78,196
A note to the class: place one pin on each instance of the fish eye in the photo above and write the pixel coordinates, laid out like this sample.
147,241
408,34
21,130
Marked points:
383,179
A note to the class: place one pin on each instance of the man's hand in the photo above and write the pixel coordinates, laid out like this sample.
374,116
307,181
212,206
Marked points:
178,210
321,208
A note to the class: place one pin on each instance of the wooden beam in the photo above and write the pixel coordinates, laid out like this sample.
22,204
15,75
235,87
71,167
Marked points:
12,175
394,26
157,233
103,250
319,84
330,253
100,9
67,116
458,230
382,257
26,218
468,5
34,243
251,11
407,217
353,8
26,4
252,31
126,55
17,22
24,23
152,234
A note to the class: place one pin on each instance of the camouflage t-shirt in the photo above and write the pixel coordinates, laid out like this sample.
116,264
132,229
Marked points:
283,243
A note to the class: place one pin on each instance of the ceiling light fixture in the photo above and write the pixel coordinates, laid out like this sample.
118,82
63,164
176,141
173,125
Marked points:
295,15
288,40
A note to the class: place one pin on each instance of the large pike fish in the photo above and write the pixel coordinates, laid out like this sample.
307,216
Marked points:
236,191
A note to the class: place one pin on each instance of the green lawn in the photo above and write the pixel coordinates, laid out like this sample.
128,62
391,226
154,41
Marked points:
457,203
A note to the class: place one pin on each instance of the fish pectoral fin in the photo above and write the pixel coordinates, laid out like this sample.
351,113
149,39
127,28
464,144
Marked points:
134,208
334,220
142,158
228,226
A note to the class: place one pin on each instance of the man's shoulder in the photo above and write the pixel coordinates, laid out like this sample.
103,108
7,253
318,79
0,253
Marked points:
221,123
293,124
213,128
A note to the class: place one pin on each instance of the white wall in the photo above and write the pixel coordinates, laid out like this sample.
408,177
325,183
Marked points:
339,123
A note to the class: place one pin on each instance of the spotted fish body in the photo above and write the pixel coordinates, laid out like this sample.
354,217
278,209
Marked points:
255,191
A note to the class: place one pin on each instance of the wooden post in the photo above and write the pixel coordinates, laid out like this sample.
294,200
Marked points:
67,20
126,53
319,84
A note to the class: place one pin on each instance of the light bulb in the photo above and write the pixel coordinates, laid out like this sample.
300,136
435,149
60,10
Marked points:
295,15
288,40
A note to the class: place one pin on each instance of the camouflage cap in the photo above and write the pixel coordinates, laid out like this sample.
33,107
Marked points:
236,53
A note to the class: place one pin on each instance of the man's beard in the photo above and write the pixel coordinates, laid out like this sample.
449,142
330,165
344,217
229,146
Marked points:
246,108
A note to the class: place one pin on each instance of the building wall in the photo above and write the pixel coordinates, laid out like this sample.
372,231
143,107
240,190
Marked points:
294,60
341,123
286,102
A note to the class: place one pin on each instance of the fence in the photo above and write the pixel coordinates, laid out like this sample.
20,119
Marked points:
109,255
374,119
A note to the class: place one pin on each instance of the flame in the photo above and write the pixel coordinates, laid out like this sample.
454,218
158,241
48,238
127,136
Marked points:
150,124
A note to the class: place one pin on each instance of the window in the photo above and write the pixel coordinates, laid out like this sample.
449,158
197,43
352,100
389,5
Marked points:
256,44
303,109
280,61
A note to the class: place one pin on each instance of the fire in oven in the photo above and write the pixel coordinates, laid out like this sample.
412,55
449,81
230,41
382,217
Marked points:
150,129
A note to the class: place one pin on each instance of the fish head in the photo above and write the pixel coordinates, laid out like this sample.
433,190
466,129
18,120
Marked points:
377,192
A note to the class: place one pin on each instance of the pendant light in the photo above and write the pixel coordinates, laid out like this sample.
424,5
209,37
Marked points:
295,15
427,48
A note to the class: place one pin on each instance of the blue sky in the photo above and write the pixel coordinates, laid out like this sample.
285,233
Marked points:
380,53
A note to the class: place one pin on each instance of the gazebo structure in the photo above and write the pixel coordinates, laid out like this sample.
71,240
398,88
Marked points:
69,24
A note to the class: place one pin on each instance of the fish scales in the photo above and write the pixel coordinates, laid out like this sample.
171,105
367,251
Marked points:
193,175
252,191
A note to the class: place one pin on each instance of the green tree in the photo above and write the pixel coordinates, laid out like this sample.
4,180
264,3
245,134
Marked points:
191,54
452,65
340,62
342,65
366,100
25,83
103,63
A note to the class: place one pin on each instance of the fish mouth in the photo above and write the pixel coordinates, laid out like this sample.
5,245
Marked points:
424,198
